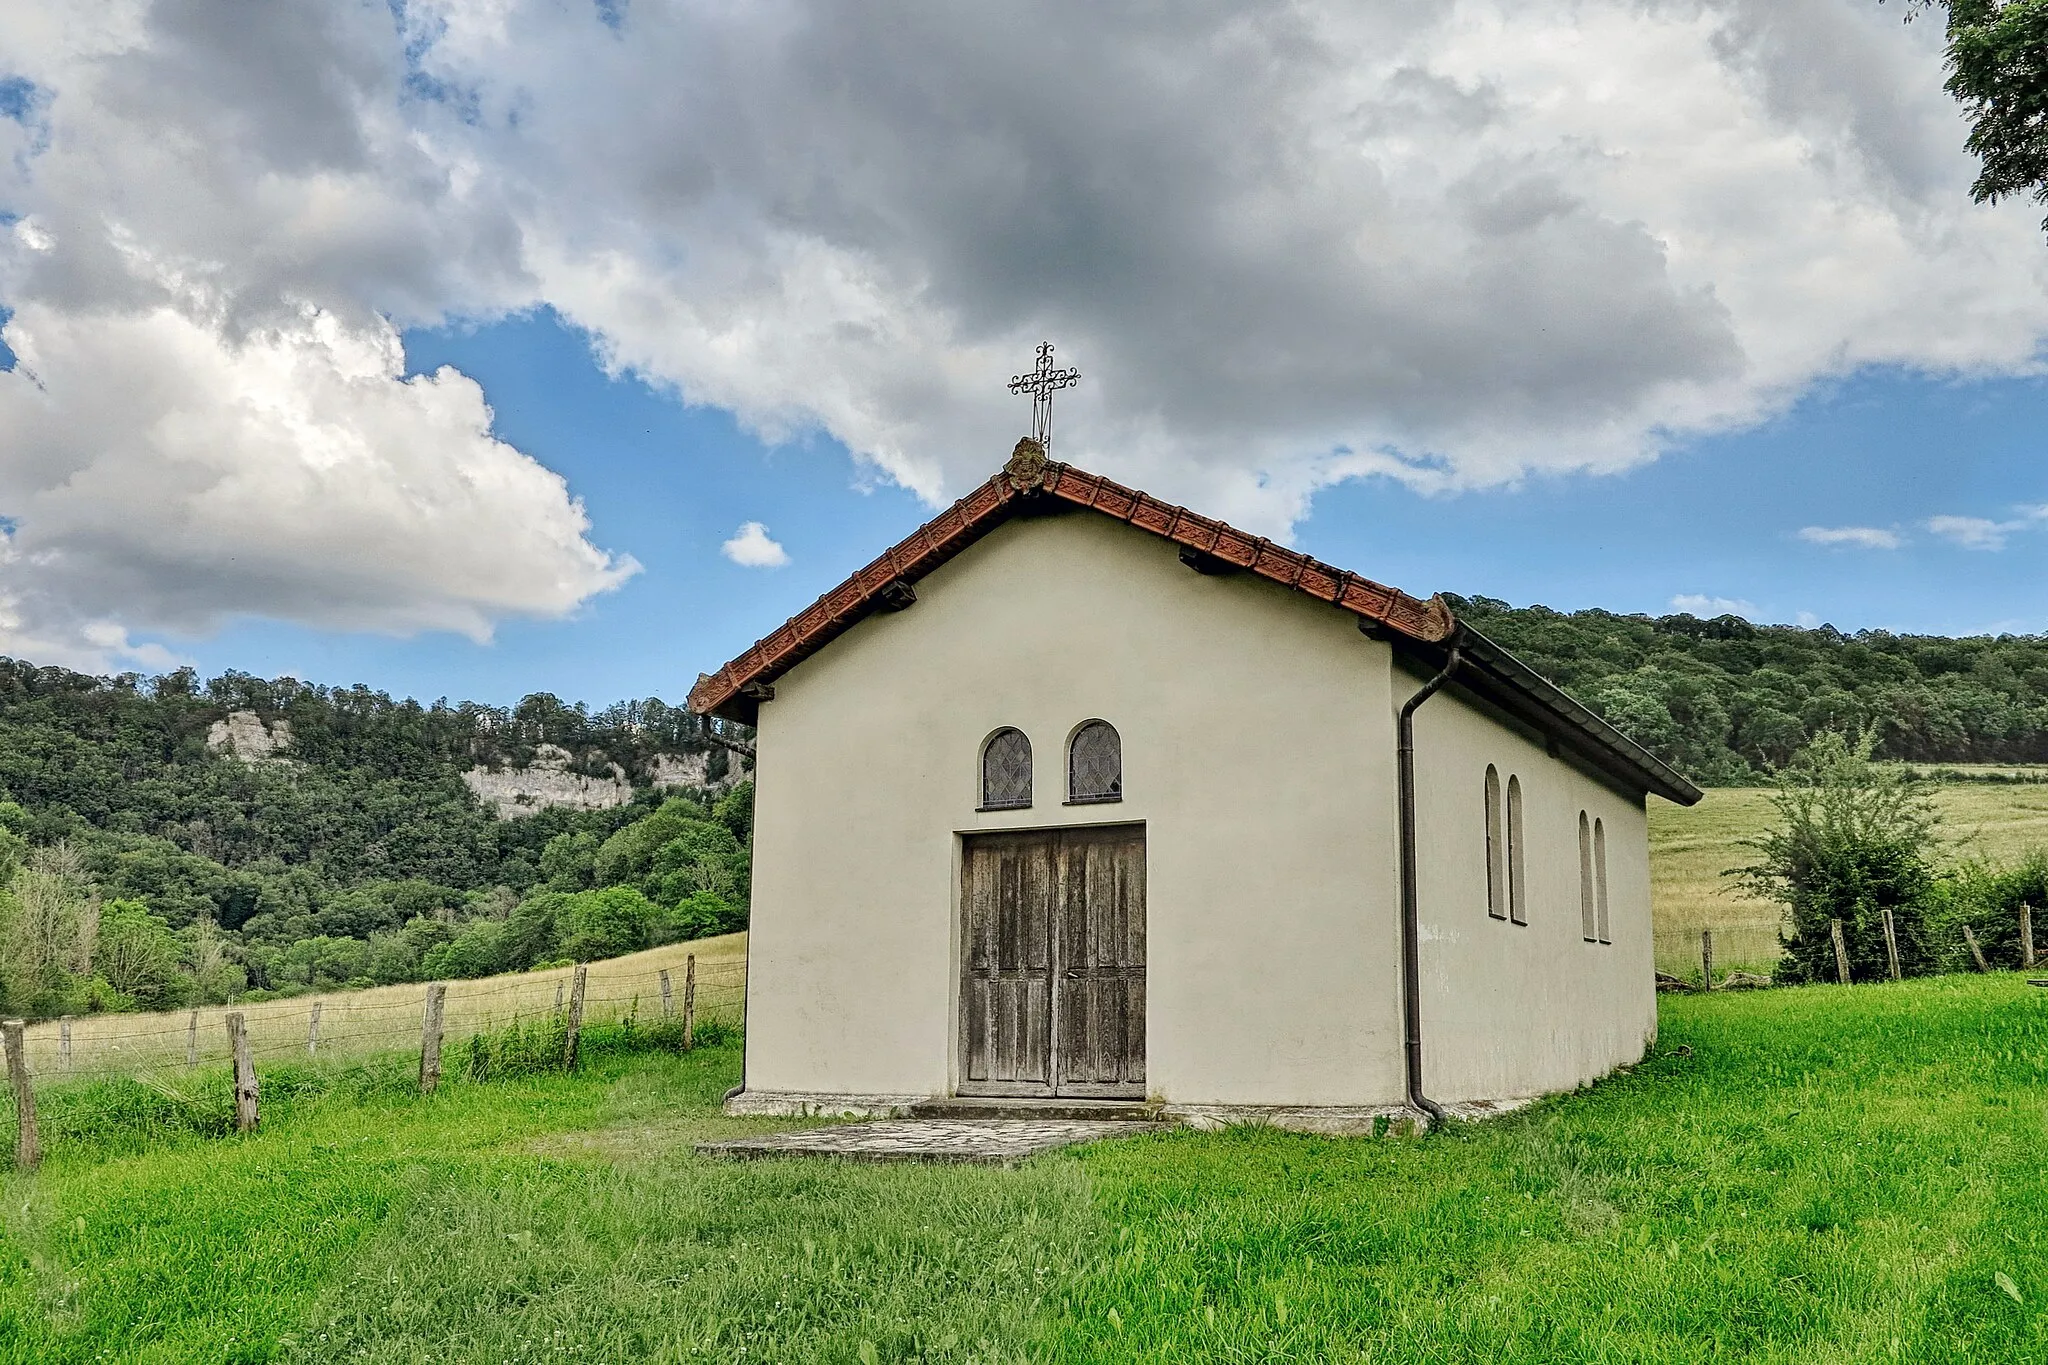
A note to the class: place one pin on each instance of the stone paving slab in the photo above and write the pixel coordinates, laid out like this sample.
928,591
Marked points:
991,1141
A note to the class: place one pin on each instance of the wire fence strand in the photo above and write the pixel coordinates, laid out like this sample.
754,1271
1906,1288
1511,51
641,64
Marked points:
380,1019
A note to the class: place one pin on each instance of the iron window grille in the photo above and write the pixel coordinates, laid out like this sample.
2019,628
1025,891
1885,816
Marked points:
1006,771
1095,764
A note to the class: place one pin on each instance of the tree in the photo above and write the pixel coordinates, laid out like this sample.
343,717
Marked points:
50,932
1998,70
1853,839
216,977
600,924
629,854
701,857
140,956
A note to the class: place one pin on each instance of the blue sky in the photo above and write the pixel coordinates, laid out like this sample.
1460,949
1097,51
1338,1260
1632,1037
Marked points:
1718,518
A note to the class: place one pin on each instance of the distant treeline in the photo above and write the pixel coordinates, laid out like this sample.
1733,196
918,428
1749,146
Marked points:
141,868
1725,700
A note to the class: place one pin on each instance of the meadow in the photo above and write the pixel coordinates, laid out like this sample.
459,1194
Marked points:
1812,1175
1691,847
383,1018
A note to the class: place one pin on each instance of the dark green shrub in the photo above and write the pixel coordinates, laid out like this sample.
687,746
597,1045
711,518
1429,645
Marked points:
1988,899
1853,840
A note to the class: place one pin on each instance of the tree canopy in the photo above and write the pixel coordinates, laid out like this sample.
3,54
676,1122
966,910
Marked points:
1728,702
1998,69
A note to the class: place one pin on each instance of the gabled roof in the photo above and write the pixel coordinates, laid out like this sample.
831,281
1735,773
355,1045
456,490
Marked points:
1031,483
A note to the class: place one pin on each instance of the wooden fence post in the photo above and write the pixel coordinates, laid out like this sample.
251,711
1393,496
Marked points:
64,1040
689,1002
668,997
2027,935
28,1143
192,1040
1970,937
1841,951
558,995
430,1038
245,1074
1706,959
575,1018
313,1032
1891,945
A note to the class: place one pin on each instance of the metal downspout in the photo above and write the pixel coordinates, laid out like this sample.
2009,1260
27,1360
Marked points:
1411,952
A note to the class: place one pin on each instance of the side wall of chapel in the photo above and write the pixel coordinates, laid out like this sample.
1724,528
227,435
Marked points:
1515,1009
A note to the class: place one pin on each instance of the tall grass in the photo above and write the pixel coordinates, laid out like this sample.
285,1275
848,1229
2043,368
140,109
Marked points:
108,1114
1812,1175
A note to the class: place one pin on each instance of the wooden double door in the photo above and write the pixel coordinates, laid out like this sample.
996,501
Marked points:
1052,995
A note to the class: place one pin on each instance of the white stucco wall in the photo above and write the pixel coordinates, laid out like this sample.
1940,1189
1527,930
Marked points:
1508,1009
1258,752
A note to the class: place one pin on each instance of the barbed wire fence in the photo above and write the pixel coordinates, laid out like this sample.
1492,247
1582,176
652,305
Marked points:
171,1053
1744,949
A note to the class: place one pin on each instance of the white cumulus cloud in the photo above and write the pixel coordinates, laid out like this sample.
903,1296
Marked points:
162,473
1983,533
1974,533
1700,604
1861,537
752,548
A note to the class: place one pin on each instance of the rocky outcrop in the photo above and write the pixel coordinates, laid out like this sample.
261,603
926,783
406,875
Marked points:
548,781
243,735
693,770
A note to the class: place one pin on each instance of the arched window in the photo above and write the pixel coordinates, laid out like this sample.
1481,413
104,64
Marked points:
1518,878
1095,764
1589,926
1496,849
1006,770
1600,923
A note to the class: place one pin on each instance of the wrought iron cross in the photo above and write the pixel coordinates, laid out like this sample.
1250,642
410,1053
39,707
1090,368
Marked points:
1041,383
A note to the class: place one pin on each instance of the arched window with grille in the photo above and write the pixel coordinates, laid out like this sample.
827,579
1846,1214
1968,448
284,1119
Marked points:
1095,764
1589,924
1006,770
1496,849
1518,871
1600,923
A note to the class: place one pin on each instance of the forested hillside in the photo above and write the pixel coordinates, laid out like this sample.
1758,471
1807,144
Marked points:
1723,699
145,867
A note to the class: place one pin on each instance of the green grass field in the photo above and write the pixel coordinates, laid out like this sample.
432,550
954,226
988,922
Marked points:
1690,848
1812,1175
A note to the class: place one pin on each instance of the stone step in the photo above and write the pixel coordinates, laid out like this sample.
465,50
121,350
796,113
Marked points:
1049,1110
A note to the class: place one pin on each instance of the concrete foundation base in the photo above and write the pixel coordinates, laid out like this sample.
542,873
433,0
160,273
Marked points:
1333,1120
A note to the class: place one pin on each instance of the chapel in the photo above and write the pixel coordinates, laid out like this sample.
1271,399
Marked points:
1078,798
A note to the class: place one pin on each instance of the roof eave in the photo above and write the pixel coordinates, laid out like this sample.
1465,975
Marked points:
1028,481
1522,690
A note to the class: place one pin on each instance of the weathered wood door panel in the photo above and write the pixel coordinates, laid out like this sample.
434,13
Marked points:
1099,998
1052,994
1006,995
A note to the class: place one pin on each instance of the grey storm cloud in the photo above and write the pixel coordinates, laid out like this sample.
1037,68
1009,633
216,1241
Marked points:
1451,243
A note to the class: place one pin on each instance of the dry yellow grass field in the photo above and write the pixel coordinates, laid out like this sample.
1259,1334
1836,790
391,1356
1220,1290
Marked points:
1689,850
389,1017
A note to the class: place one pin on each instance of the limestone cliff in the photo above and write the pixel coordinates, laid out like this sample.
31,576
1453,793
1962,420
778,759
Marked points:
548,781
243,735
